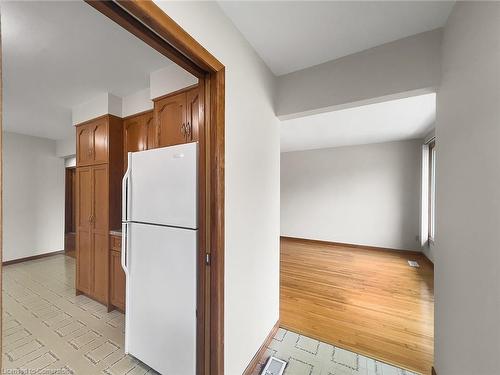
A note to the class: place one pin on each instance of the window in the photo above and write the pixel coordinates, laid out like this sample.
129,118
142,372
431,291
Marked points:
432,190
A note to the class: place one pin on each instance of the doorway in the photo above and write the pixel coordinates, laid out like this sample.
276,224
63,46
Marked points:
353,272
70,212
146,21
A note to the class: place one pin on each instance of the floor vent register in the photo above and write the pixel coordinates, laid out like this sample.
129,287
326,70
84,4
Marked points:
274,366
413,263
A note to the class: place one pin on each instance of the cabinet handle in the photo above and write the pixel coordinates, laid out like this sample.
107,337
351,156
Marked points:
186,130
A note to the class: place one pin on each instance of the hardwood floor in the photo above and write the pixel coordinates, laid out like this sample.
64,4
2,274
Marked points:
364,300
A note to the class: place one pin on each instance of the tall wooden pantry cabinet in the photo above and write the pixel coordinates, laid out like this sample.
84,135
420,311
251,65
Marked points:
99,168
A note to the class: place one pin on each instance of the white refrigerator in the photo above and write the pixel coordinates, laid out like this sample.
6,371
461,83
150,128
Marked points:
159,248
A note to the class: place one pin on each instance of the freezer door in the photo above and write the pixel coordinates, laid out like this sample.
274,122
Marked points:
163,186
161,298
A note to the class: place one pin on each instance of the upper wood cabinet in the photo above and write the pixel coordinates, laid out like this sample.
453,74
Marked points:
96,139
170,116
99,138
139,133
84,153
193,114
176,117
152,130
135,134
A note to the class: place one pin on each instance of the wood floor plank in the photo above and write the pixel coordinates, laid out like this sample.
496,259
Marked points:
364,300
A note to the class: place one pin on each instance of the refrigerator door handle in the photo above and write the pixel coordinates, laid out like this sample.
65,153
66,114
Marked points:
126,191
124,262
124,255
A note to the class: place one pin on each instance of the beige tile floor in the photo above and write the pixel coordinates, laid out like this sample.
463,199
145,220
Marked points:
306,356
49,330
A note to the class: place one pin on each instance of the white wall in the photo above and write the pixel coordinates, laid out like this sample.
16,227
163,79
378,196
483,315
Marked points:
161,82
100,105
169,79
364,195
252,182
33,197
467,253
137,102
66,147
398,69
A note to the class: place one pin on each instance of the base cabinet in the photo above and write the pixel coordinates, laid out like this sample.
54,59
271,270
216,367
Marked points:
116,274
83,262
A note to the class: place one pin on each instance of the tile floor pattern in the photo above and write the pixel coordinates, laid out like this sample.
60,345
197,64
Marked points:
306,356
49,330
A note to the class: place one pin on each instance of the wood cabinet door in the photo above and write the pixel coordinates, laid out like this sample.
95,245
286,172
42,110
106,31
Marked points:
152,130
83,229
84,154
170,117
100,230
100,279
117,278
135,136
193,114
99,140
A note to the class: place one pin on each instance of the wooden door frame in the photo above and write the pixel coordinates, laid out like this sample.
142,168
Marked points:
69,173
148,22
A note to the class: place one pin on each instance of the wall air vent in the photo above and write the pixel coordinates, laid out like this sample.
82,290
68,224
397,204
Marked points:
413,263
274,366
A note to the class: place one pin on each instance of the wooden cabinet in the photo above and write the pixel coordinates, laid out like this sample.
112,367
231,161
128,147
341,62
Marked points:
152,130
102,147
177,117
83,232
99,139
170,116
139,133
100,229
84,153
98,202
92,248
193,114
92,142
116,274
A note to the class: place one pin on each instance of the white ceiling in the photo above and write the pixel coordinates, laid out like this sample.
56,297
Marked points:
293,35
394,120
57,55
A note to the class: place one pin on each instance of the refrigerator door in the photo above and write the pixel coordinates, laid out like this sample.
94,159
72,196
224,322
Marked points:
161,297
163,186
